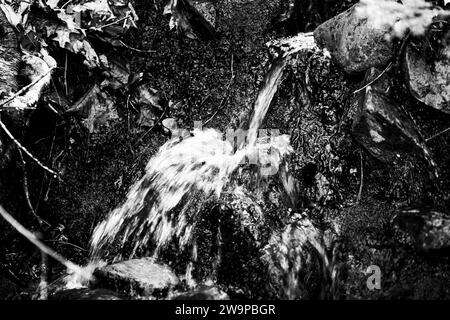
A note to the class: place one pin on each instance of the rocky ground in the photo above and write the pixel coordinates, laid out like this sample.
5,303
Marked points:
351,183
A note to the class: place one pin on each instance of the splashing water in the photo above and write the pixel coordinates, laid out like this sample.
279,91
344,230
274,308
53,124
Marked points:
204,162
289,252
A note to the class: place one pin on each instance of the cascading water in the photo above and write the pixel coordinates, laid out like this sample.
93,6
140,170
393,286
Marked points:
201,163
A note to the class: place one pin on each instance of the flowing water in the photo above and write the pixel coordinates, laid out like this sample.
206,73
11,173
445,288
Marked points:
156,208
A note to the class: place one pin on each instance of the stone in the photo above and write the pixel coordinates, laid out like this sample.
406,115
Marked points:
429,228
207,10
142,277
170,124
428,81
86,294
354,43
195,19
382,127
203,293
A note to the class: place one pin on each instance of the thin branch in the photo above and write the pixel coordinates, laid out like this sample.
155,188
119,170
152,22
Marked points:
65,77
26,192
69,244
361,184
374,80
112,23
15,95
26,151
33,239
135,49
438,134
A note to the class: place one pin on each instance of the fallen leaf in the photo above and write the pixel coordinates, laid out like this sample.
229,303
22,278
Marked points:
96,108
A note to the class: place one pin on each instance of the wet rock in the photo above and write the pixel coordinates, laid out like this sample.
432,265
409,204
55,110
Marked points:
195,20
428,81
207,10
86,294
354,44
382,127
137,276
203,293
430,229
170,124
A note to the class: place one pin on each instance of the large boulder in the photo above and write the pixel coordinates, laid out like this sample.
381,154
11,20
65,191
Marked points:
428,81
382,127
355,44
137,277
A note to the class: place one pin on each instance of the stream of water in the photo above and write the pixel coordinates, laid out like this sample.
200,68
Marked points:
156,207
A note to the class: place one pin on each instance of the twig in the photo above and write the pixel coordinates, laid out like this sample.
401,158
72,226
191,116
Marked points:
361,184
27,194
65,4
26,151
53,163
33,239
69,244
112,23
65,78
374,80
59,99
15,95
135,49
437,134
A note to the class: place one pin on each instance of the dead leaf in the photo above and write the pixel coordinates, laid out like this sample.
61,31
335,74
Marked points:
118,72
146,95
96,108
